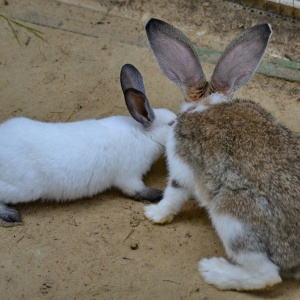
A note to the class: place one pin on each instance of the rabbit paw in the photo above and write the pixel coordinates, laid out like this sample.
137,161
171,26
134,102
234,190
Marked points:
214,271
9,216
149,194
155,214
226,276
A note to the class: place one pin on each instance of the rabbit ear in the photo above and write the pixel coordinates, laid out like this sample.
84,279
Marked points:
240,60
139,107
135,98
177,57
130,77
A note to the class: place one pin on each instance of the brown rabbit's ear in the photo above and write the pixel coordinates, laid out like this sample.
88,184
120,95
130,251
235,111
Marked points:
139,107
130,77
176,56
240,59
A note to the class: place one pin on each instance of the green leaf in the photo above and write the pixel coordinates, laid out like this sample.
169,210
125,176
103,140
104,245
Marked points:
14,31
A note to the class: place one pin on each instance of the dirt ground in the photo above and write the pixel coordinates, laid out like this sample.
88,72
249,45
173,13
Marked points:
83,249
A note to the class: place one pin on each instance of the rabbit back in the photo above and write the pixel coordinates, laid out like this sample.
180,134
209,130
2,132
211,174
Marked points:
249,166
70,160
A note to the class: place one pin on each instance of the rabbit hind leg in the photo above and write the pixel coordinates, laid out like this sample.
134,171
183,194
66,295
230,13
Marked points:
254,271
135,188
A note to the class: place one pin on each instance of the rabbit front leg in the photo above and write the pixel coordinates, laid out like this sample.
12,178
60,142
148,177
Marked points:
9,216
174,197
180,187
149,194
134,187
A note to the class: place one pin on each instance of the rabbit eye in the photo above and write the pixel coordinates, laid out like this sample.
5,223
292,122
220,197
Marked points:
171,123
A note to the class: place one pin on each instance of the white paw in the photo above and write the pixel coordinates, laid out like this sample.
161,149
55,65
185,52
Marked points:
226,276
215,271
155,214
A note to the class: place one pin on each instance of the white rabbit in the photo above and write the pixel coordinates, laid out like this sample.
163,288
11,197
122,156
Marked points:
65,161
234,158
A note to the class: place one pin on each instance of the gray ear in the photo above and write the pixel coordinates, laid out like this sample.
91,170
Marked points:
130,77
176,55
139,107
240,59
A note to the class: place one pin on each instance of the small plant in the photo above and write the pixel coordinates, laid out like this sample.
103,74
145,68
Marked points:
11,21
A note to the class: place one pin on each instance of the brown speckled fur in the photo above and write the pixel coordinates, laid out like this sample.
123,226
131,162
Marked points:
243,166
250,167
193,94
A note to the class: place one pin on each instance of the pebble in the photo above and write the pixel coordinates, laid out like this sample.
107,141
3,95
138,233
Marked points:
134,246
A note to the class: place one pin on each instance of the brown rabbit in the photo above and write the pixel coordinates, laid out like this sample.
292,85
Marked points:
234,158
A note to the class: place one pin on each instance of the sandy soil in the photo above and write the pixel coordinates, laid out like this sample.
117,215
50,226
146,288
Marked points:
83,249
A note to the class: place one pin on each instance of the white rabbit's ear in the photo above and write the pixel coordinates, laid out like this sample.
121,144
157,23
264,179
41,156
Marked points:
240,59
139,107
130,77
177,58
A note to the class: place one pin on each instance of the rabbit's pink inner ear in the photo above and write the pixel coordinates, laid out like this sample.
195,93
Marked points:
178,62
175,54
139,107
240,60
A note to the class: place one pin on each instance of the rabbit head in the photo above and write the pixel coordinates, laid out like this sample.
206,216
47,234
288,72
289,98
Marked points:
156,122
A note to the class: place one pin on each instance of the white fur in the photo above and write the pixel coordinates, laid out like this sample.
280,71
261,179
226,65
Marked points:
228,229
164,211
178,169
217,98
186,106
256,271
200,107
213,99
193,107
63,161
174,197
